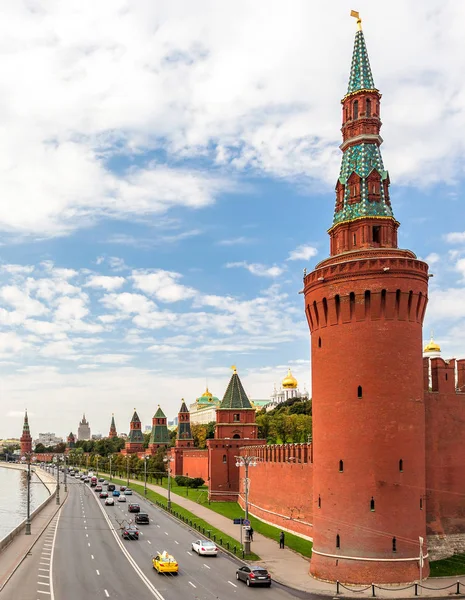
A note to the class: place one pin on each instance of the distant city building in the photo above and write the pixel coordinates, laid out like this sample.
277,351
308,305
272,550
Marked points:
289,389
96,436
26,439
84,429
147,429
48,439
71,441
203,410
113,432
173,422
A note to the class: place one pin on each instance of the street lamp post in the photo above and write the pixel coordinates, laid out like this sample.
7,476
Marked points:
146,457
64,478
168,460
246,461
96,458
111,456
56,460
28,516
127,469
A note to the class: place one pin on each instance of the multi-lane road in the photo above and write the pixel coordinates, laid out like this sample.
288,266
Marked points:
82,555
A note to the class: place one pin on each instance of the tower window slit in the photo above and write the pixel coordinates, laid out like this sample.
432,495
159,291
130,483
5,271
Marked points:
338,541
372,504
394,544
352,304
359,391
383,302
356,109
401,465
420,297
319,342
319,501
368,108
354,239
325,309
224,459
376,231
341,466
337,301
397,302
410,300
421,503
315,308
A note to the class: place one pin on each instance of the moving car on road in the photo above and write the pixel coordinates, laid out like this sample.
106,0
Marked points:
205,548
128,492
121,498
111,487
165,563
109,501
103,495
133,507
142,518
254,575
98,488
131,533
116,493
122,488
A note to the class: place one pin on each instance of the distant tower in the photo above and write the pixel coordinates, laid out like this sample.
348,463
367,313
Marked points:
365,306
184,438
84,429
26,439
432,350
71,441
112,433
159,436
235,428
135,441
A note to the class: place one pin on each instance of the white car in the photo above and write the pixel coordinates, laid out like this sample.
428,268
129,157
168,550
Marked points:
109,501
121,498
205,548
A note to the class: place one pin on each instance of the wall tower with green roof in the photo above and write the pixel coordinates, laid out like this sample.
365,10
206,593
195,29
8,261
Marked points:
26,439
135,441
159,437
112,433
235,428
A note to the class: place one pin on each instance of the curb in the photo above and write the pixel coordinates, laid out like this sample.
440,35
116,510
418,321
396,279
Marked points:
20,562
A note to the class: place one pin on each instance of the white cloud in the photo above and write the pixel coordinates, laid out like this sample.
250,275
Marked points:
16,269
128,303
303,252
258,269
455,237
22,301
105,282
69,309
238,241
162,285
433,258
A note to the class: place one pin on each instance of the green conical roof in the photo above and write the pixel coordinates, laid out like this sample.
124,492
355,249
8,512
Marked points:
159,434
183,408
235,396
112,426
26,424
135,418
361,77
159,414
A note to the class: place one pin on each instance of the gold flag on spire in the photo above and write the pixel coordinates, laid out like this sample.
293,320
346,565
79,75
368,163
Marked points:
356,15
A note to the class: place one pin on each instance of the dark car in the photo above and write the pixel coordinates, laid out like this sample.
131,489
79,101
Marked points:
254,575
122,488
142,518
101,479
111,487
98,488
131,533
134,508
103,495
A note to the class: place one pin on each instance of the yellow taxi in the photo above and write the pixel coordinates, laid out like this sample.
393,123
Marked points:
165,563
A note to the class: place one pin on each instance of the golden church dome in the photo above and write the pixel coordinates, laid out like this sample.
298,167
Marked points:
289,382
432,346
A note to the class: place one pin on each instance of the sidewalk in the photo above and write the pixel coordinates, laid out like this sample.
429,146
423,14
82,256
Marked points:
13,554
291,569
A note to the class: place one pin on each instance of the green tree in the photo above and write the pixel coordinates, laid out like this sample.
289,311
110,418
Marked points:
199,434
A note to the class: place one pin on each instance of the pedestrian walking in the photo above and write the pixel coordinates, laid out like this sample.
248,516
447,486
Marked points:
281,540
251,534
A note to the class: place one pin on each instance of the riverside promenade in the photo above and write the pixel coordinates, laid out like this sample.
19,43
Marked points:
292,569
16,549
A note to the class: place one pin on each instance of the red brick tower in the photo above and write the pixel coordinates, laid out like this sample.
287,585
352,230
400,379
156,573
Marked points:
184,438
112,433
26,439
365,307
235,428
135,441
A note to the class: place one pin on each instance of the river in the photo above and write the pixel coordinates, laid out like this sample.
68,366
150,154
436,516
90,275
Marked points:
13,497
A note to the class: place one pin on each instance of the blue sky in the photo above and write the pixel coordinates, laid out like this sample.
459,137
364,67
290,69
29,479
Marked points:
166,174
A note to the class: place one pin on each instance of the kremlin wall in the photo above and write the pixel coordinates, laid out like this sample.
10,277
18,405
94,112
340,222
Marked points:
382,483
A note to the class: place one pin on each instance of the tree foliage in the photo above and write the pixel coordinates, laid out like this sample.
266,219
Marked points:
291,421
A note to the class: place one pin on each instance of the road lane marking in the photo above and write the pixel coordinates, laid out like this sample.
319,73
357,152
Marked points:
43,592
206,565
189,553
43,583
166,533
158,525
149,542
231,583
194,586
45,564
92,556
176,542
87,535
97,571
88,543
106,593
43,569
44,576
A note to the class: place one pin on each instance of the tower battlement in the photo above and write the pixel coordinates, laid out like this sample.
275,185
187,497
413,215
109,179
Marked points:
444,376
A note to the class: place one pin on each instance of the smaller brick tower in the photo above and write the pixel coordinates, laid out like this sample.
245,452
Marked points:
160,436
26,439
112,433
71,441
184,438
135,441
235,428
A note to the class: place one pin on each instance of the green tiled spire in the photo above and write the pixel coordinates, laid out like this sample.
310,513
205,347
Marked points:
235,396
184,427
135,435
160,433
360,71
26,424
113,425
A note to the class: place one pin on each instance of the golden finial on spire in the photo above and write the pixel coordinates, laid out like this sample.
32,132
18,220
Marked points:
234,369
356,15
